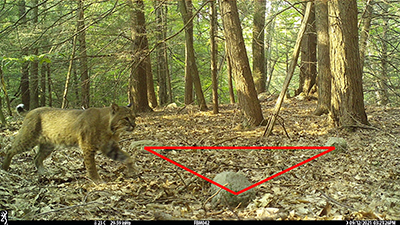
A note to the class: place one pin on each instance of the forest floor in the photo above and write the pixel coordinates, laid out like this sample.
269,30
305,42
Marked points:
361,182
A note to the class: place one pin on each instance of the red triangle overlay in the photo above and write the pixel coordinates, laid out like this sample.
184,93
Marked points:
152,148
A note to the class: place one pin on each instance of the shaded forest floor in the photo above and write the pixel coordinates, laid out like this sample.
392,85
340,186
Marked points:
362,182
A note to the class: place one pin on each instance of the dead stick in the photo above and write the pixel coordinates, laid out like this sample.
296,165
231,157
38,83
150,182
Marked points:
293,63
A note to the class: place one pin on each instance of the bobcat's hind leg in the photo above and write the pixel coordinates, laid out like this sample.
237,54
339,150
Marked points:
21,144
44,151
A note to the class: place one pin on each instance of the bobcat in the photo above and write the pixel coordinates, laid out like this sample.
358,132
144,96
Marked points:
92,129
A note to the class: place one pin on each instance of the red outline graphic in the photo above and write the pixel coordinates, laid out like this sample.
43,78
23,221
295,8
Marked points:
329,149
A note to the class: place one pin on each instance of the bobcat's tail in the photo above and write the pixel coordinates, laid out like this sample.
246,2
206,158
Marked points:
20,110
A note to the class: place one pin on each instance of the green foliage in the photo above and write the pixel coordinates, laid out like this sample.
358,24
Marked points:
109,46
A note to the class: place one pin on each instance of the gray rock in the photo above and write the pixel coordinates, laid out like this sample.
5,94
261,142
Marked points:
236,182
340,144
139,145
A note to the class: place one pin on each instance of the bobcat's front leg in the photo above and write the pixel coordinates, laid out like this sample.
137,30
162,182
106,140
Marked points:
90,164
113,151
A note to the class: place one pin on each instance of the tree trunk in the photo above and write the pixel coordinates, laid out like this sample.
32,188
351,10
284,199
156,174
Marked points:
85,81
347,91
25,93
214,53
35,64
4,88
49,89
383,79
230,77
151,95
366,19
191,71
308,68
247,96
68,77
43,71
324,71
258,46
162,64
292,67
138,78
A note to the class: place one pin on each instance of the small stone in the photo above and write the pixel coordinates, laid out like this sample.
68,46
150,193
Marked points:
340,144
236,182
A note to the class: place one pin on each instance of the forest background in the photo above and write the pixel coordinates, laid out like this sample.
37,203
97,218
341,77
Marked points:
73,51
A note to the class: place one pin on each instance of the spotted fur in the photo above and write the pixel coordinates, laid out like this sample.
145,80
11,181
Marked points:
93,129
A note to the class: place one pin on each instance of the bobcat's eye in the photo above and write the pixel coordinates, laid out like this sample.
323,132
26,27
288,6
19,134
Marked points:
131,123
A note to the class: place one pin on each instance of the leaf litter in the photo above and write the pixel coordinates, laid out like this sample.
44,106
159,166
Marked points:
361,182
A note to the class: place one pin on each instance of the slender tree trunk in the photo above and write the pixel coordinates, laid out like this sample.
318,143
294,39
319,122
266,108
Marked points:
43,71
25,92
258,46
382,81
151,94
162,65
366,19
49,89
68,78
214,52
138,78
85,80
291,68
247,95
324,71
34,64
230,77
308,68
190,60
4,88
347,91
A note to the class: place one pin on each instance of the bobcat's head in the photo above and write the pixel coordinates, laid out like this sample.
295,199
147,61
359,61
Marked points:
122,118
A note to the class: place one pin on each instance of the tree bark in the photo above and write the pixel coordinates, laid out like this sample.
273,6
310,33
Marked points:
214,52
247,96
292,67
258,46
85,80
25,92
383,79
191,71
366,19
324,71
35,64
308,68
162,60
138,78
347,91
64,104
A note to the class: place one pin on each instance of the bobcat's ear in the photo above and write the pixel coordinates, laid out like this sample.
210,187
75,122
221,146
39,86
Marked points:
114,107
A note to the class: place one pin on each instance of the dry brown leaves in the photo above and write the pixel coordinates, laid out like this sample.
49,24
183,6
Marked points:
360,183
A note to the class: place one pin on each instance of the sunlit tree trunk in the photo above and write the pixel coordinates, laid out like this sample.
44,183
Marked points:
247,96
308,68
214,52
138,80
162,60
258,46
324,71
190,60
347,90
